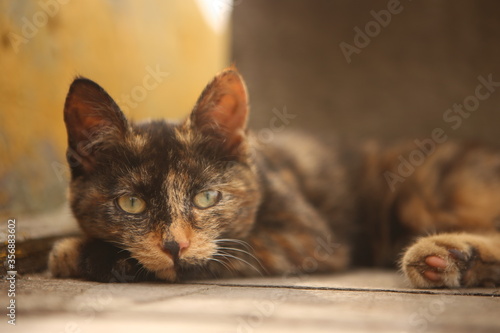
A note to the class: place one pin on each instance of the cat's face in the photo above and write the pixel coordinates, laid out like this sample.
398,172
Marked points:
169,193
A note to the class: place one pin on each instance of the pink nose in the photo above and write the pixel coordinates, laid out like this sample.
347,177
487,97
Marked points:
174,248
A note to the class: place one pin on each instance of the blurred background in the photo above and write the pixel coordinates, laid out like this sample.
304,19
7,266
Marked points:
374,69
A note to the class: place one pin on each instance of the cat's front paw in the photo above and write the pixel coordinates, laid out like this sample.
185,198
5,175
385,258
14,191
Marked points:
95,260
440,261
65,257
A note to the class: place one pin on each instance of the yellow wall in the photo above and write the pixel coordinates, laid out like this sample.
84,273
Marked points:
44,44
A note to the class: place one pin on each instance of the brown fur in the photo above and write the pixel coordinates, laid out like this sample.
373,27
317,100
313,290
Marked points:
456,189
293,206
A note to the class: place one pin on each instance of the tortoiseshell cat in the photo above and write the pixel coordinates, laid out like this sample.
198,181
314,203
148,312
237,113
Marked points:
202,198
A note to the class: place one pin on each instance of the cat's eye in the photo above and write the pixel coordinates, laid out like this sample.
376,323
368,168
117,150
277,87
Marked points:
207,199
131,204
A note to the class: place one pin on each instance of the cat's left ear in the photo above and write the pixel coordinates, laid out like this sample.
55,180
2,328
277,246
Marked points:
222,110
93,120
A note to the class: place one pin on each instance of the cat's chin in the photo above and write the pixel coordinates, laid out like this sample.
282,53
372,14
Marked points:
167,274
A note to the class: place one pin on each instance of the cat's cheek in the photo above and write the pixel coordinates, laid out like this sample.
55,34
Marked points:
241,224
202,247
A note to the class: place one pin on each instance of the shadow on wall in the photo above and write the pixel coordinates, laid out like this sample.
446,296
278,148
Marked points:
386,69
153,57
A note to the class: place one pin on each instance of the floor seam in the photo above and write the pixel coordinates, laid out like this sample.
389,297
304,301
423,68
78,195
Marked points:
414,292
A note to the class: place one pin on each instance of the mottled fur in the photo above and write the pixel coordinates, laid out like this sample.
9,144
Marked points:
292,206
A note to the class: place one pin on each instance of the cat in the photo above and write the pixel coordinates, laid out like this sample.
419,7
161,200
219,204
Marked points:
204,198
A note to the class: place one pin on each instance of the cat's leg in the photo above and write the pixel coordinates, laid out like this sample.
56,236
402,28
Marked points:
295,239
298,252
453,260
93,259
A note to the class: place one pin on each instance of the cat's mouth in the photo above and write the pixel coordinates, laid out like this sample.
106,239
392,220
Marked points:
168,274
167,261
164,266
157,262
151,256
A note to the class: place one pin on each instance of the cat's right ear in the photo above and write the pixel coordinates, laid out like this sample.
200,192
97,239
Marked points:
92,120
221,112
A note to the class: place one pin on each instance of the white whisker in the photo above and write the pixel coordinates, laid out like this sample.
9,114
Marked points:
245,252
224,264
237,241
227,255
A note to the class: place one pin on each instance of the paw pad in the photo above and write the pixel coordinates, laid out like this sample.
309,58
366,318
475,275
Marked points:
436,262
448,260
436,266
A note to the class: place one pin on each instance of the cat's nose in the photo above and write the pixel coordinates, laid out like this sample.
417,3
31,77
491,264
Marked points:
175,248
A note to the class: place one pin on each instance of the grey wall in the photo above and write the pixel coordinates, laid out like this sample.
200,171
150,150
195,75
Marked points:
400,85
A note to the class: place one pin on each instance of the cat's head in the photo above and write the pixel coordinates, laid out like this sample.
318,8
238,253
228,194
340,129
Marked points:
168,192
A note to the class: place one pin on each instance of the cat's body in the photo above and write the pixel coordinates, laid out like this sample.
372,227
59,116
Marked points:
204,198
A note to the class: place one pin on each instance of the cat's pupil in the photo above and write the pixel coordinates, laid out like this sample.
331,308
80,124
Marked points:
131,204
206,199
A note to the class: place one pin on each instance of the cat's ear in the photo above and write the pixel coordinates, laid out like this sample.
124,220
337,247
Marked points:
222,110
93,119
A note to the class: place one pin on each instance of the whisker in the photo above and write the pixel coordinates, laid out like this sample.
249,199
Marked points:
224,264
237,241
245,252
210,272
137,275
237,249
117,243
123,250
245,244
227,255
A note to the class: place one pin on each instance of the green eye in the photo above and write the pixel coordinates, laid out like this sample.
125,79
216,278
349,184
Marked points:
131,204
206,199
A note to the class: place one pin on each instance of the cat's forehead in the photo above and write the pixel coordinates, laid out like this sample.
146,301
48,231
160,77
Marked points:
156,136
168,145
155,130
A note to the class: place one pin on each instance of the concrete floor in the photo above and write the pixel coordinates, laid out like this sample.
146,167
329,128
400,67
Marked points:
359,301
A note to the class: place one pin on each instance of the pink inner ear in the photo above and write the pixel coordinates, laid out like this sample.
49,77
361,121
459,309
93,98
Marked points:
82,120
223,103
228,113
222,108
89,114
230,110
81,117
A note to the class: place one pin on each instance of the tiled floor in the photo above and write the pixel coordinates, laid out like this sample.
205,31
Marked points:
360,301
